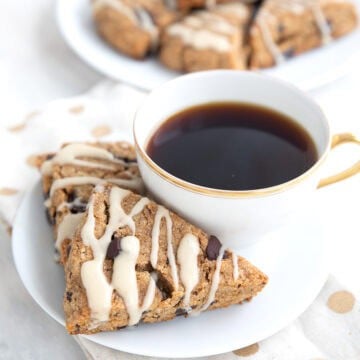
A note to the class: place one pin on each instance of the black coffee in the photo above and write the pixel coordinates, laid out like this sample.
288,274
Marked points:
232,146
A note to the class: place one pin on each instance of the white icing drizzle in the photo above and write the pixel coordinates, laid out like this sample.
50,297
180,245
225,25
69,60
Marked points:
322,24
215,281
67,228
200,39
135,183
210,3
124,279
235,266
163,213
69,155
118,5
47,202
240,10
147,24
187,256
270,44
213,23
98,290
209,30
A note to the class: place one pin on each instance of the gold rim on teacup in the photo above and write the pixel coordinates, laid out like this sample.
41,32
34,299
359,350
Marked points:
337,140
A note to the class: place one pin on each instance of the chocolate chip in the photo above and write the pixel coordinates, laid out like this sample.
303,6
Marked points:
213,248
49,156
49,218
181,312
114,247
68,249
78,208
226,255
71,196
69,295
289,53
124,159
164,295
330,24
281,28
120,327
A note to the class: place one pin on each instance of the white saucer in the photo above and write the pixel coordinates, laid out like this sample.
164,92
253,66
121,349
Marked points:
307,71
294,258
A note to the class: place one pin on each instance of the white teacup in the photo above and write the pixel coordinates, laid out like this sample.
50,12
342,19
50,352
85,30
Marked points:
237,218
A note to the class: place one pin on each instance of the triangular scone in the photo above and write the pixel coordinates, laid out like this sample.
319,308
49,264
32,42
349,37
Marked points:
132,26
208,39
135,261
70,175
286,28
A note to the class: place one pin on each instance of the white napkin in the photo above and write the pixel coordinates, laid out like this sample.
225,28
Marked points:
329,329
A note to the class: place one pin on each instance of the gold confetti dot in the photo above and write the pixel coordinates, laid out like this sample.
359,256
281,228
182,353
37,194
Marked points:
247,351
78,109
341,302
22,126
9,230
31,115
100,131
8,191
17,128
6,225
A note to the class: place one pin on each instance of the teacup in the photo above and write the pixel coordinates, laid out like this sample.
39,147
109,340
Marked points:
237,218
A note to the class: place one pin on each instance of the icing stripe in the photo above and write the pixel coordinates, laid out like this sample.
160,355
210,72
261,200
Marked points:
67,228
135,183
187,256
235,267
160,214
69,154
214,283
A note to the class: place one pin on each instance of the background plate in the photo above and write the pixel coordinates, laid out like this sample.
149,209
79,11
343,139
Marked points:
294,259
307,71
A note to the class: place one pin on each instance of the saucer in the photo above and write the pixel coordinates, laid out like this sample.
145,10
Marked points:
294,258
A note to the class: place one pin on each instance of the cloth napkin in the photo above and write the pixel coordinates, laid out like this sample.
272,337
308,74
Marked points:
330,327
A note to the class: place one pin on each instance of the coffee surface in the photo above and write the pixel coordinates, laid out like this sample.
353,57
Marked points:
232,146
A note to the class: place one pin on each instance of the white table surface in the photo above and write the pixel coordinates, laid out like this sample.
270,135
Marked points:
35,67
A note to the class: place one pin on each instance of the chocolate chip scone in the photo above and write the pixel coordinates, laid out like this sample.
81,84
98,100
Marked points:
133,261
209,39
132,26
70,175
286,28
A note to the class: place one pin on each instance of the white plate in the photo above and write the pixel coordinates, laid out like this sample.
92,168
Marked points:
294,259
307,71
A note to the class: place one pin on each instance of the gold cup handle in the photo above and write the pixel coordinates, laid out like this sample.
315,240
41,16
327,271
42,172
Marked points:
337,140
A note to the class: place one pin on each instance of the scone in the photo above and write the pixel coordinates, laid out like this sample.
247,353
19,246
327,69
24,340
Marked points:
133,261
285,28
132,26
208,39
70,175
